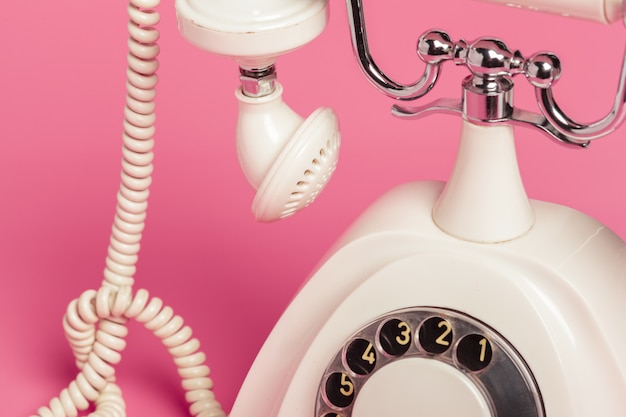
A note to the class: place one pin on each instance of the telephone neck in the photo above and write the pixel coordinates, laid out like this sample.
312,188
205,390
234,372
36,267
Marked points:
485,200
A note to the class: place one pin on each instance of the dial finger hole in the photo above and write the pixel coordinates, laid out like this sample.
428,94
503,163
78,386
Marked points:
395,337
361,356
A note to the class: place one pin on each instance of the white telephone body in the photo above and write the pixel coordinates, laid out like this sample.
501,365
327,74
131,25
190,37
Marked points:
464,299
458,299
535,316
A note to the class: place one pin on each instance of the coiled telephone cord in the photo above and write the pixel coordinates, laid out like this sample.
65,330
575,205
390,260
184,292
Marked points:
95,323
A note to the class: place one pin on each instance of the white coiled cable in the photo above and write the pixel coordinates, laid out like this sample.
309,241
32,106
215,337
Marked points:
94,323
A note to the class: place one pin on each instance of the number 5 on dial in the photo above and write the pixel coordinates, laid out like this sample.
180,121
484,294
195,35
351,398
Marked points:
340,389
347,387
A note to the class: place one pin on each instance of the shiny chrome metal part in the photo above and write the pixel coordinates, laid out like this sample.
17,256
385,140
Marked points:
455,107
488,91
258,82
577,131
377,77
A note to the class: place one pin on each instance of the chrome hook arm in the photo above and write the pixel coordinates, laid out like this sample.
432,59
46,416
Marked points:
577,132
375,75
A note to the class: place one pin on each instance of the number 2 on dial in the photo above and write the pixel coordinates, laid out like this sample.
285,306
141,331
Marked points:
441,340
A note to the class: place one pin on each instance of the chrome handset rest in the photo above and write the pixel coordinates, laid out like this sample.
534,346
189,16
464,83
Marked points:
487,91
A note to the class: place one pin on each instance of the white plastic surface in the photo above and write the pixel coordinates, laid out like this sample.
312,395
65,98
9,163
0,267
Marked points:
417,386
302,169
287,159
556,294
252,31
605,11
485,200
264,126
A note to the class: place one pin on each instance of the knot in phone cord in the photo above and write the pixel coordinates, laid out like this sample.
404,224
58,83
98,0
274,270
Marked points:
95,323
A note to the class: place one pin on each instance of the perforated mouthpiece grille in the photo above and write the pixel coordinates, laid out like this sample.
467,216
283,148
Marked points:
302,170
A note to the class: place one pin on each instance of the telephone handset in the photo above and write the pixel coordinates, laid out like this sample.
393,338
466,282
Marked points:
464,298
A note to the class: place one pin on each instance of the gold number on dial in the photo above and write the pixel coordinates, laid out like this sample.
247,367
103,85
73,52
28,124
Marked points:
361,356
483,349
347,387
441,340
474,352
369,355
405,334
395,337
339,389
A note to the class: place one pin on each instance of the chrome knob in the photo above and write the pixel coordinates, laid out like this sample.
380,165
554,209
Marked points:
492,58
435,46
488,58
543,69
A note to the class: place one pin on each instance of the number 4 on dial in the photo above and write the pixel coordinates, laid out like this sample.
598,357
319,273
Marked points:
369,355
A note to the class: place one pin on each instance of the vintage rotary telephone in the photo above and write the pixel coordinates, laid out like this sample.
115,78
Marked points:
411,325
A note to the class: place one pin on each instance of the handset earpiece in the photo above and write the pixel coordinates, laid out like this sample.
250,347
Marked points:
605,11
286,158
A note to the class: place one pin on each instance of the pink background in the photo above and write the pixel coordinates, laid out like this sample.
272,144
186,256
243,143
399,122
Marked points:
62,75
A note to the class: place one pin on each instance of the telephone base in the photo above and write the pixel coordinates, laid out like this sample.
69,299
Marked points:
554,295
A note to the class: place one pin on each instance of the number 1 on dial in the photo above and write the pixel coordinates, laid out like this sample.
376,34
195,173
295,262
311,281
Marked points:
483,349
474,352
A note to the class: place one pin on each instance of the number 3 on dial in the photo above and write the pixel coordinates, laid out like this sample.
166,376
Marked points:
395,337
405,335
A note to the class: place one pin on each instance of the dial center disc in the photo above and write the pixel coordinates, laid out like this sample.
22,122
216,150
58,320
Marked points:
416,387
